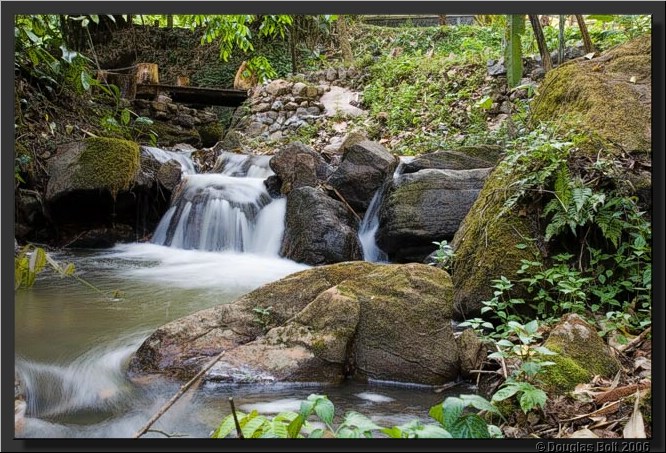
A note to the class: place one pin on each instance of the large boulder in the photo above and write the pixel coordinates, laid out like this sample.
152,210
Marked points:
181,347
610,96
581,355
463,158
423,207
297,165
319,229
485,244
94,164
100,185
364,168
361,320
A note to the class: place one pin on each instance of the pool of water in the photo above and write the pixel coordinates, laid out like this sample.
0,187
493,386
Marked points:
73,345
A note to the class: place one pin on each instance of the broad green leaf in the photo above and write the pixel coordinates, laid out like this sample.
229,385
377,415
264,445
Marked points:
531,398
480,403
470,427
37,260
253,428
437,412
395,432
316,434
225,428
295,426
453,408
432,431
360,421
325,410
505,392
85,80
69,270
125,117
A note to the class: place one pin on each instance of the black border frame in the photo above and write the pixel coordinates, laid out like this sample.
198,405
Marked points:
10,8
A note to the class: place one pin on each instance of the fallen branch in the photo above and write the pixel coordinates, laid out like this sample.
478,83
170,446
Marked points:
239,431
159,431
175,398
446,386
633,344
346,204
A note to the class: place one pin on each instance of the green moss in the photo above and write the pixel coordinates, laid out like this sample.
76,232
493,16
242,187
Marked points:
564,376
210,134
485,244
318,346
645,406
108,163
582,354
609,96
490,153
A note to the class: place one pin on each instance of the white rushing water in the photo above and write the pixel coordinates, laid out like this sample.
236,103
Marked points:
184,158
367,231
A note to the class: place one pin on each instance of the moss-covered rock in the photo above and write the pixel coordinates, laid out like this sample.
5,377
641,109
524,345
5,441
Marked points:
169,135
610,96
210,134
461,158
582,354
94,164
323,324
485,244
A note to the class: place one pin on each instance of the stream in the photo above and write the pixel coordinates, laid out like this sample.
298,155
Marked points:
219,240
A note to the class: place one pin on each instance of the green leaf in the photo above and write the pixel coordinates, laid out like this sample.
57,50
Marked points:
225,428
480,403
505,392
125,117
295,426
470,427
453,408
395,432
325,410
360,421
531,398
253,428
432,431
85,80
316,434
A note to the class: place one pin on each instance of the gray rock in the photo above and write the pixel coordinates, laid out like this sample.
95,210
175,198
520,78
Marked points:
297,165
423,207
278,87
319,229
364,168
462,158
299,89
496,68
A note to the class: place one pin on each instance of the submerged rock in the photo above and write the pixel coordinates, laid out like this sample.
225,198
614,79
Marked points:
358,319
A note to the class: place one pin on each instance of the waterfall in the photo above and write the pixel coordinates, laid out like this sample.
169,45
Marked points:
230,210
184,158
370,223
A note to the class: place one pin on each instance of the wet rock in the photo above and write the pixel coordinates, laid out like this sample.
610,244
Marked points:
423,207
170,174
462,158
297,165
319,229
103,237
364,168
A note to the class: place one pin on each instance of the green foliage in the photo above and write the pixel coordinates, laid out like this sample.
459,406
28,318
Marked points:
515,28
130,126
262,316
444,254
30,261
453,417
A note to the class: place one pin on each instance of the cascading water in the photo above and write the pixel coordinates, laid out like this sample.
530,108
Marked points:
370,223
230,210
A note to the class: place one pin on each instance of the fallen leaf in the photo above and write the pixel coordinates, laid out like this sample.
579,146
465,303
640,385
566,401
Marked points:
583,434
633,79
590,55
635,427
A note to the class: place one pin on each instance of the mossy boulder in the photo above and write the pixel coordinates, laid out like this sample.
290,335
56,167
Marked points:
462,158
210,134
324,324
423,207
94,164
609,96
581,355
485,244
170,135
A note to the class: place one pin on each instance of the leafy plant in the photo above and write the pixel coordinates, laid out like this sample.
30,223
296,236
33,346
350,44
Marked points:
30,261
526,356
444,254
263,316
453,417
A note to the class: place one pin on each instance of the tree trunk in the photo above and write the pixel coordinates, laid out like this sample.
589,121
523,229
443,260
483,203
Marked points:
587,41
541,42
147,73
442,19
170,20
560,49
343,37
